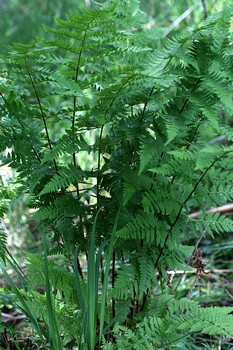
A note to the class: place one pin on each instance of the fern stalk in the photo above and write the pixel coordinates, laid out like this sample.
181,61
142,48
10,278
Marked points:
41,111
182,206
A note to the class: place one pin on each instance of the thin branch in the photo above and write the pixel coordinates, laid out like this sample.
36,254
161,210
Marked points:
193,271
222,209
184,15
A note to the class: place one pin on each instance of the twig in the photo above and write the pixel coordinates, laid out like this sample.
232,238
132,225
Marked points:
178,272
230,295
180,19
12,317
222,209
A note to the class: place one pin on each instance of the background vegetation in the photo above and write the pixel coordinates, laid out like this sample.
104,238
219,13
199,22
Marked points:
20,22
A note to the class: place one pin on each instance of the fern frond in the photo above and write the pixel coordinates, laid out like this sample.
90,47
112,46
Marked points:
211,223
222,29
60,276
126,285
172,328
66,177
140,227
66,205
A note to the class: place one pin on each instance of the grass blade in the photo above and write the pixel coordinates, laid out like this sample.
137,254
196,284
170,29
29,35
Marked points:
54,336
106,275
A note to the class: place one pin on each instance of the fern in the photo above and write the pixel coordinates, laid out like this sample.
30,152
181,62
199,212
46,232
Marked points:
211,224
70,176
108,117
59,274
182,317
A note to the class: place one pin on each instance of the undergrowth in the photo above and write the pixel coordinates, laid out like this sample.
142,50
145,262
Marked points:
113,132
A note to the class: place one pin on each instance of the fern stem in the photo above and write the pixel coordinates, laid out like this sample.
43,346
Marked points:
145,105
181,208
75,98
73,130
101,136
187,99
204,8
41,111
189,143
144,300
3,98
74,107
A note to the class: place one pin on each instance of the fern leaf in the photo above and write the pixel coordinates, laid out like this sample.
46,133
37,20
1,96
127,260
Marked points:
211,223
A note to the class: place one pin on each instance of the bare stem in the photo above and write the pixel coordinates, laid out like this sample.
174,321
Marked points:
222,209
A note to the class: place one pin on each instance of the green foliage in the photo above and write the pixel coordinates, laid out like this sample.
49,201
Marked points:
94,120
181,318
3,239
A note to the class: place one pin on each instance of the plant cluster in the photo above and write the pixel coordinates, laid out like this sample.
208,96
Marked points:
114,133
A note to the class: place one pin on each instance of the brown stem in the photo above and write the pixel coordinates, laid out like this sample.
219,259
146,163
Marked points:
222,209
